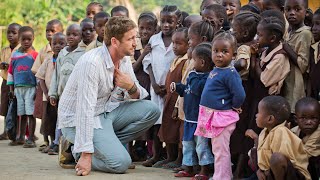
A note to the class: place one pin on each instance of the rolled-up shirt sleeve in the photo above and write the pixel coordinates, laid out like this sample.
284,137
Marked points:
87,95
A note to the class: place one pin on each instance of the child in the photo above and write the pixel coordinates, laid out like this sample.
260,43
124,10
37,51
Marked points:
196,150
250,7
53,26
189,20
171,129
280,152
13,38
44,74
220,103
217,16
99,21
119,11
308,129
147,25
92,9
88,33
232,8
22,84
258,3
65,62
157,64
308,18
206,3
297,46
244,30
315,57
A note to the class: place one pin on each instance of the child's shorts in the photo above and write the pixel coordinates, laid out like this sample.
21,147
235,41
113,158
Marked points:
25,100
197,152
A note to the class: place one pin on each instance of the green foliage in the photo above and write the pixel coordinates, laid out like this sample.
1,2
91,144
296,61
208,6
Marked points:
36,13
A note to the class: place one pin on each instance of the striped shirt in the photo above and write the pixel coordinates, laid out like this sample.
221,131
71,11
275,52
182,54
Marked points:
90,92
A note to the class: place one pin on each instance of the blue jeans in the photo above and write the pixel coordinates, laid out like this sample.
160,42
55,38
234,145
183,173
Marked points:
124,124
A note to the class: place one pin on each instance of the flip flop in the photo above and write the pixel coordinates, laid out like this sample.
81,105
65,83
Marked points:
159,164
181,168
171,165
200,177
183,174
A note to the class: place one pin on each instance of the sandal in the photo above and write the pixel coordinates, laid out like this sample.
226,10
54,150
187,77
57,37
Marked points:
160,164
181,168
183,174
42,147
200,177
4,136
171,165
54,149
29,144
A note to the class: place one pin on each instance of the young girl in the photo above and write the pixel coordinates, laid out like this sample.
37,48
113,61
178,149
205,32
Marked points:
220,103
244,30
22,84
232,8
12,36
44,74
171,129
92,9
147,25
196,150
157,65
315,58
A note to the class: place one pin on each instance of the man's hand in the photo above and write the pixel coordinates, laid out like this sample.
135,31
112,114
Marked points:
53,101
122,80
83,166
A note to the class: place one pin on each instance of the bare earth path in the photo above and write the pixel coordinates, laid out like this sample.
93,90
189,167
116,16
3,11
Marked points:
29,164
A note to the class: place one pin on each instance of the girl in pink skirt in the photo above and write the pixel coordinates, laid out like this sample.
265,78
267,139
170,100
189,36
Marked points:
220,104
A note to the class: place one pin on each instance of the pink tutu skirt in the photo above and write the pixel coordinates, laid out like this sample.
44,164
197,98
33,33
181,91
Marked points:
212,122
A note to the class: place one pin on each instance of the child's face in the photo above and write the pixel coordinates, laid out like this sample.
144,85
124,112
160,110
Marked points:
168,23
147,28
180,44
119,13
99,26
12,34
222,53
295,12
194,39
211,16
58,43
73,36
232,8
262,117
92,10
268,5
26,40
263,36
308,118
316,27
88,32
51,29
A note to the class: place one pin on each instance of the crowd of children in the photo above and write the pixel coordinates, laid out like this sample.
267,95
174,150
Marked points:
237,86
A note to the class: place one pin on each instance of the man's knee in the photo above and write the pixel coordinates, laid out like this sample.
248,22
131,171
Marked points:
278,160
152,109
122,165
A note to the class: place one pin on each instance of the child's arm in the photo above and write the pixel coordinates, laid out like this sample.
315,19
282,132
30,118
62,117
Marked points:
241,64
10,80
53,90
253,135
293,57
236,89
157,89
137,65
179,88
44,88
197,84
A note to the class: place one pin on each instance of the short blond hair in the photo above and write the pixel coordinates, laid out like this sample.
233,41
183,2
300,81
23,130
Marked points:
116,27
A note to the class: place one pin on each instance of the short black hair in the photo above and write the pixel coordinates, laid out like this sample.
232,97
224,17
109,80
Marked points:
172,9
279,3
25,29
204,1
203,28
274,25
249,21
15,24
203,51
305,3
149,15
273,13
251,7
278,107
86,20
307,101
96,4
317,12
59,34
120,8
54,22
227,36
219,11
101,15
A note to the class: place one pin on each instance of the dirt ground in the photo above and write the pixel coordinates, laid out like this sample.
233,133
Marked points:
29,164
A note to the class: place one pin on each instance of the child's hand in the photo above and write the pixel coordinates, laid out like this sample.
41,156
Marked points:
250,133
175,113
53,101
254,48
163,90
11,95
147,49
238,110
172,87
156,88
4,66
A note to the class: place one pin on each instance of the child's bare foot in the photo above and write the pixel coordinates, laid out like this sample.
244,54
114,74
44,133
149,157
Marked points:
161,164
149,162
